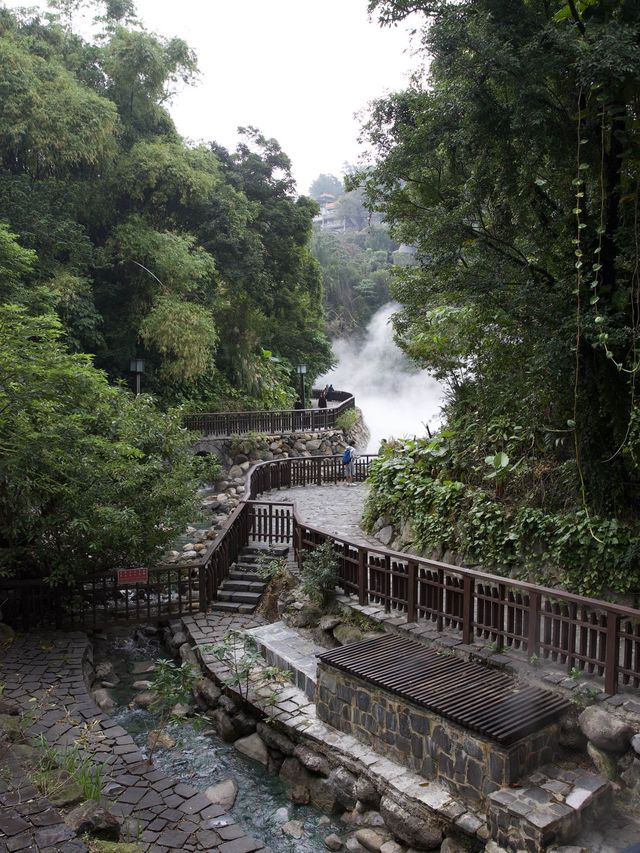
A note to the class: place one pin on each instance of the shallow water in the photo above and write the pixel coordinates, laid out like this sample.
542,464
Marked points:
203,759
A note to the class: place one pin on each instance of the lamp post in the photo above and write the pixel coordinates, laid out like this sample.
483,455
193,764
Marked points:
302,369
136,366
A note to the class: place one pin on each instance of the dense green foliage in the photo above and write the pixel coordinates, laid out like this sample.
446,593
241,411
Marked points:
514,167
416,481
91,477
195,258
356,271
355,255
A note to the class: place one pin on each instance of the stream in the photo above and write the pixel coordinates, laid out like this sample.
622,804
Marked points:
201,758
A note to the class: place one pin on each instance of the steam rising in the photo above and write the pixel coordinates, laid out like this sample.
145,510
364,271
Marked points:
396,399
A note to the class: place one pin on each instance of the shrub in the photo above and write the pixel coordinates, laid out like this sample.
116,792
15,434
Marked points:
320,573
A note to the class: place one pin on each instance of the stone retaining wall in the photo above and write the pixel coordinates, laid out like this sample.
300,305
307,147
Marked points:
472,766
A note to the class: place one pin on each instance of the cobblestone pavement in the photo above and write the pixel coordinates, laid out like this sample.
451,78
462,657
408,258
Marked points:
43,675
336,508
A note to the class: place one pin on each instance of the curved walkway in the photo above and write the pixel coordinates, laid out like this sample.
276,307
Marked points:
336,508
43,675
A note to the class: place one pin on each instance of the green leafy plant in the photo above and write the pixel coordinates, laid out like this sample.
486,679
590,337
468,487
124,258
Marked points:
319,573
172,683
245,666
347,420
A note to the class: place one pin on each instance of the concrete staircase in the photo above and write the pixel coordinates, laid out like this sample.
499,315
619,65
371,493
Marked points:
242,590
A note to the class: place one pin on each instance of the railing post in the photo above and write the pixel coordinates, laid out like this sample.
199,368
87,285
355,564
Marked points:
202,588
319,472
533,632
412,590
468,588
611,655
362,577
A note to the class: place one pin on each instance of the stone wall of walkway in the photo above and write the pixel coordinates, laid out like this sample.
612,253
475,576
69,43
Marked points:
43,675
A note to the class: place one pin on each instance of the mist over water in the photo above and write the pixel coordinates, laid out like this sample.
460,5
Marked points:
396,399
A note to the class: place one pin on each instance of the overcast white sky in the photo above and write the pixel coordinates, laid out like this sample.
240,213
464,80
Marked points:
297,69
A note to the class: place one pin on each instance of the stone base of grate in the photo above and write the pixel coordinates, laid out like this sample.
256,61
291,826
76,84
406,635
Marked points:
285,648
549,808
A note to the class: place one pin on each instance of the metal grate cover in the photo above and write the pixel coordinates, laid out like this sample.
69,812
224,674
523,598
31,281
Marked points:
474,696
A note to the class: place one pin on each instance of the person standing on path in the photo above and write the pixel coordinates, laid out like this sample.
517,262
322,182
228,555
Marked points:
347,463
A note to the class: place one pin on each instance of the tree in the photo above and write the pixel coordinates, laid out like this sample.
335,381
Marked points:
91,477
514,170
328,184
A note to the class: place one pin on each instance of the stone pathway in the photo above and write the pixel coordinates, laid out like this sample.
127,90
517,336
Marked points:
336,508
43,675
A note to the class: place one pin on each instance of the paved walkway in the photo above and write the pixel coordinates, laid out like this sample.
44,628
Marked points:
336,508
43,675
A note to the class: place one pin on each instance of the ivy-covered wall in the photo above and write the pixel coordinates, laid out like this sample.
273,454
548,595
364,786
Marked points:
435,516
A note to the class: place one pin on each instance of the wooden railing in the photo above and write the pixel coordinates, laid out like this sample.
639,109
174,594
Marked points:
170,591
542,623
272,423
545,624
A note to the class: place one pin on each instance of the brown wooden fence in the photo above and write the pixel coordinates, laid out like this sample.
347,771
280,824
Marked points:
272,423
579,633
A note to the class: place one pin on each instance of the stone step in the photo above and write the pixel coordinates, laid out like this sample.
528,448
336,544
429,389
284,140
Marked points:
285,648
256,551
244,566
226,606
238,597
241,575
243,585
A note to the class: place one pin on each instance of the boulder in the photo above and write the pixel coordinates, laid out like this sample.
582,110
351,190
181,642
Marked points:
143,667
365,792
571,735
244,723
328,623
391,847
323,794
103,700
106,672
333,842
142,685
414,831
94,819
187,655
343,783
275,739
300,794
227,705
371,839
312,760
181,710
236,473
62,789
207,692
293,828
604,762
361,817
455,845
223,794
346,633
281,815
604,730
635,744
223,725
292,771
313,445
253,747
631,776
385,535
